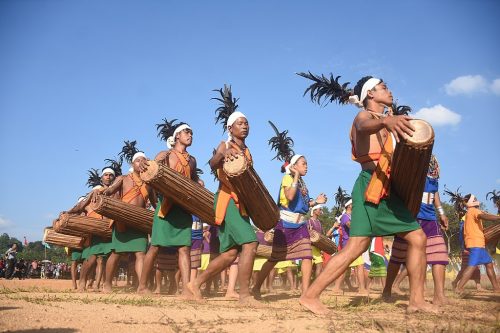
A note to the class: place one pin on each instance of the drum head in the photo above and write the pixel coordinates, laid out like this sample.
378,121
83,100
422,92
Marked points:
235,167
151,172
423,132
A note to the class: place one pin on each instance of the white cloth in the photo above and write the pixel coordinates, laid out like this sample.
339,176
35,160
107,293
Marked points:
369,85
230,121
293,160
348,203
108,170
318,206
137,155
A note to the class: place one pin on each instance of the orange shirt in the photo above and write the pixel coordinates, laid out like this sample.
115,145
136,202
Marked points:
473,229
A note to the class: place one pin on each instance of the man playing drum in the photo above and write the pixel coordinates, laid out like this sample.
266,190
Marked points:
375,212
172,224
125,239
235,233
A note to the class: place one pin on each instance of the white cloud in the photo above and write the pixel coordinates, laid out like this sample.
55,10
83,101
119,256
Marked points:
467,85
4,222
438,115
495,87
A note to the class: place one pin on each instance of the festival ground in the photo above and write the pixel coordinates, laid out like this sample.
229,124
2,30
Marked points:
50,306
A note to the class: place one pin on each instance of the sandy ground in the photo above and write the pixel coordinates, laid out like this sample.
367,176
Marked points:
50,306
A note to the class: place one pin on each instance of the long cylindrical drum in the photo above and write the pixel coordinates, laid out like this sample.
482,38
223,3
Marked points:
492,233
264,251
52,237
410,164
185,192
89,225
134,216
322,242
58,226
250,189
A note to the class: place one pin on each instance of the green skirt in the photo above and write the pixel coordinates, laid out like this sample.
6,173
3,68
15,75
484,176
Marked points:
129,241
76,255
85,253
235,230
99,247
174,229
389,217
377,267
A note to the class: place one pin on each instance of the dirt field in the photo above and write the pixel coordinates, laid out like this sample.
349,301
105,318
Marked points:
50,306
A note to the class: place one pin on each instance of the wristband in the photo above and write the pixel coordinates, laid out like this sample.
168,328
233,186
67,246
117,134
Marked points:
294,185
440,210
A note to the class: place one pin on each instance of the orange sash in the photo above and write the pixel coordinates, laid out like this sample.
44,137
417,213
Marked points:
139,188
226,192
380,184
184,169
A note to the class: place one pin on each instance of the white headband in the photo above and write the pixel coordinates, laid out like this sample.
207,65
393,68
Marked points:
137,155
230,121
348,203
293,160
108,170
171,140
471,202
369,85
318,206
80,199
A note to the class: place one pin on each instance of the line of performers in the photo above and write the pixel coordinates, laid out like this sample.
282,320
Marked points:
373,212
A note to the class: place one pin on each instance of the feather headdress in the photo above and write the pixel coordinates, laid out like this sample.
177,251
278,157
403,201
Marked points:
128,151
400,110
94,178
166,129
341,198
227,106
282,144
116,165
495,197
326,90
457,200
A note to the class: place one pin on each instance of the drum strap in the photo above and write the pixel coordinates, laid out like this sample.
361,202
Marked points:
379,185
184,169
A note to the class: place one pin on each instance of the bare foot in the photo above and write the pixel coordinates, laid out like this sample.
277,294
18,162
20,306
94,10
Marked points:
157,291
144,291
249,301
398,291
107,289
442,300
232,295
194,290
423,308
314,305
81,289
256,293
363,292
337,292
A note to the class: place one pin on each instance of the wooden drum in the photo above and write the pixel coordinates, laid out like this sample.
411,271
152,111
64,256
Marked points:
56,238
185,192
60,227
134,216
492,233
259,204
88,225
322,242
410,164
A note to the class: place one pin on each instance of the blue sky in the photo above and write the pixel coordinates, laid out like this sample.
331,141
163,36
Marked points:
78,78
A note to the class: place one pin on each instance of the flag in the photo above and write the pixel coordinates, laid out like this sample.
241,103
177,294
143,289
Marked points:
47,246
25,241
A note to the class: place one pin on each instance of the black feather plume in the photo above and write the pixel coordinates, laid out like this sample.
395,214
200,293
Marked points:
495,197
282,144
94,178
227,107
400,110
166,129
327,90
116,165
128,151
341,198
457,200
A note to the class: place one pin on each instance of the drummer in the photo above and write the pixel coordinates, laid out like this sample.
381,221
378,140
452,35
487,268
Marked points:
236,234
291,235
374,213
476,244
171,224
